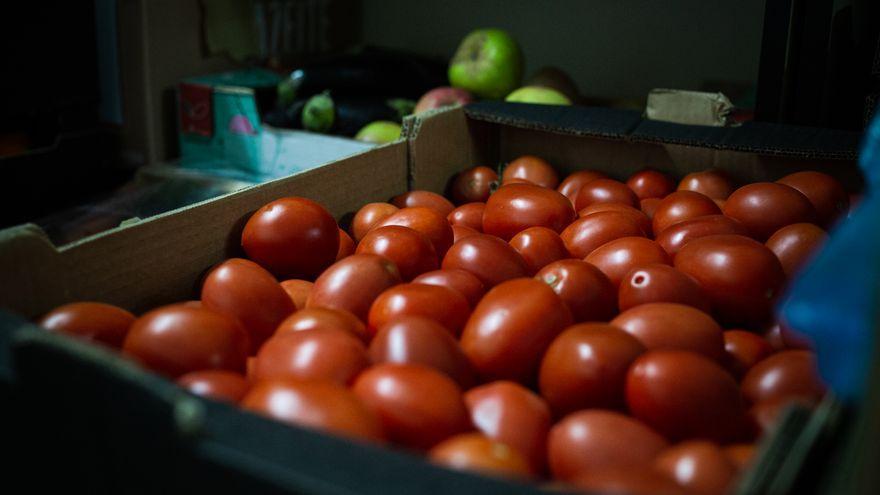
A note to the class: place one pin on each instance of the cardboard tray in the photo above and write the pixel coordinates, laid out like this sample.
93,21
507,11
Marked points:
101,422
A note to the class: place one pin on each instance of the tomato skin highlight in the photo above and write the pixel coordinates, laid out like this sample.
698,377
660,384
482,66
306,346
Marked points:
219,385
91,321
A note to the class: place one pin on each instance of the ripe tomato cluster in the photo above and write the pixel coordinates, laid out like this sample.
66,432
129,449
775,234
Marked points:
605,334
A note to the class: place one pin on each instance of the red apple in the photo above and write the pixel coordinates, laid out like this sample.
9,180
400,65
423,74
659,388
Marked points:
443,96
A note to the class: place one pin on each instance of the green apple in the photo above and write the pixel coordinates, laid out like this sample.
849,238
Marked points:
319,113
538,94
488,63
379,132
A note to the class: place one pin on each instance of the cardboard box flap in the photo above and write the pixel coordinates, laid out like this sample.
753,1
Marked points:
578,121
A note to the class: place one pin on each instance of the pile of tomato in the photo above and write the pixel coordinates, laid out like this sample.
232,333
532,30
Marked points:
600,334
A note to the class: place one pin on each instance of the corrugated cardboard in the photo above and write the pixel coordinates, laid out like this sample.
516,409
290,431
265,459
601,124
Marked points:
689,107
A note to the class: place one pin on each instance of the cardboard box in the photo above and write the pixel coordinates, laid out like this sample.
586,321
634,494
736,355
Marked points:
123,425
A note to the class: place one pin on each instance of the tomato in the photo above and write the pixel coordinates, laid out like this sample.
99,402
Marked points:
605,191
584,289
649,183
595,439
468,215
824,192
473,184
370,215
298,291
323,319
712,183
618,257
585,367
353,284
463,281
417,406
680,206
511,327
479,453
539,246
744,349
292,238
428,222
92,321
784,375
410,250
627,481
317,354
740,454
586,234
664,325
766,414
514,415
795,245
699,466
315,404
765,207
244,290
533,169
174,340
573,183
673,238
426,199
660,283
420,340
219,385
441,304
640,217
685,395
487,257
346,245
741,276
516,207
459,232
781,337
649,207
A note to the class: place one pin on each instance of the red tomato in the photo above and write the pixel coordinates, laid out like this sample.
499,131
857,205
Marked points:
516,207
586,291
298,290
741,455
463,281
825,193
370,215
473,184
428,222
649,183
741,276
640,217
511,327
595,439
174,340
533,169
713,183
353,284
618,257
477,452
685,395
92,321
627,481
410,250
324,319
539,246
699,466
419,340
318,354
673,326
795,245
292,238
244,290
468,215
673,238
346,245
441,304
487,257
586,234
573,183
765,207
781,337
605,191
649,207
315,404
784,375
219,385
514,415
585,367
660,283
766,415
426,199
680,206
418,406
459,232
744,349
